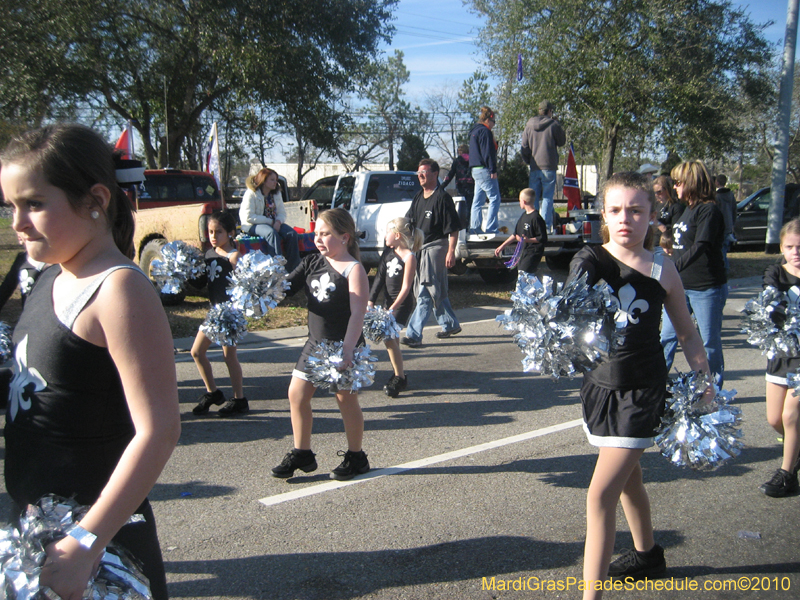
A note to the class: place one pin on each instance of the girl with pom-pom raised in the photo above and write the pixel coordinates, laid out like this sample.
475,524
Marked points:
336,287
623,398
221,260
395,277
783,407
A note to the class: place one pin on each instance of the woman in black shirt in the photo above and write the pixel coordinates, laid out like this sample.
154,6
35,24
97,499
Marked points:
697,252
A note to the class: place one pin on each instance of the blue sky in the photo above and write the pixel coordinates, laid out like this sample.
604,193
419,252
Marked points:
436,38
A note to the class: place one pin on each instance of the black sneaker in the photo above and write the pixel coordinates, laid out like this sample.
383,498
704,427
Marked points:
395,385
354,463
411,343
234,406
446,334
782,484
296,459
206,400
638,565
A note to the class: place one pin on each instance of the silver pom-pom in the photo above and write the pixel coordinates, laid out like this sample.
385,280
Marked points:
793,381
225,324
6,346
563,329
323,367
695,433
22,555
380,324
258,283
179,263
772,323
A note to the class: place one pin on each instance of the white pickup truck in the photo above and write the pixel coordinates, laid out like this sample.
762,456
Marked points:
374,198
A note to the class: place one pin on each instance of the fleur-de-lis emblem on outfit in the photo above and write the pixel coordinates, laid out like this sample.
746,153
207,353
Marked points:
677,231
320,287
393,267
26,280
214,270
627,304
26,381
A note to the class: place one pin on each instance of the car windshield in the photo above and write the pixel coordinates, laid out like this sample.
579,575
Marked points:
384,188
749,199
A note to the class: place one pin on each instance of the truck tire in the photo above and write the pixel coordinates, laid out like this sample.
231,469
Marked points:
151,252
498,275
559,262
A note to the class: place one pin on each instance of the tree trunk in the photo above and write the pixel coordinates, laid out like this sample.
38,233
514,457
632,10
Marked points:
610,138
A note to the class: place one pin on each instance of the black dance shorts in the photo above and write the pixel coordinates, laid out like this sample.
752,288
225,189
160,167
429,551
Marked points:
622,418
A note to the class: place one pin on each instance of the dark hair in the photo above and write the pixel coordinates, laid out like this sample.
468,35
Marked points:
342,223
74,158
634,181
722,180
224,218
430,163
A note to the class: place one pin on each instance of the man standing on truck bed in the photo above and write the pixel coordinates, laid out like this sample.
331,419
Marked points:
540,141
483,161
434,212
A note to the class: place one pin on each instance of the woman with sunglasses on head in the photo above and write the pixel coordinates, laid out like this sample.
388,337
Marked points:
698,235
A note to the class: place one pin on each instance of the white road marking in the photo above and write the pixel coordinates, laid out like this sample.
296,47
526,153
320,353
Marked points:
417,464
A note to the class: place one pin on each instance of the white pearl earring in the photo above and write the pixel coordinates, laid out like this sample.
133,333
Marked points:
95,214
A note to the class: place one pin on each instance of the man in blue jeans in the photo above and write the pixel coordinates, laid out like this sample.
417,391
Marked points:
540,141
434,212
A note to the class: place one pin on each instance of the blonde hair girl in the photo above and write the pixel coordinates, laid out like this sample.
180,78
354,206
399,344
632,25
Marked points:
395,277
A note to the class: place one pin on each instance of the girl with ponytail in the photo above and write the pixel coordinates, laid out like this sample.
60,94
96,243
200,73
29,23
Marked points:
101,418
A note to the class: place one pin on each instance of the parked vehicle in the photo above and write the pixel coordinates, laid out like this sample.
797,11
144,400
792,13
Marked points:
572,232
175,205
752,215
375,198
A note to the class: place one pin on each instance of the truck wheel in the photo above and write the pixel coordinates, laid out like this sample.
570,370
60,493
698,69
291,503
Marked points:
498,275
151,252
558,262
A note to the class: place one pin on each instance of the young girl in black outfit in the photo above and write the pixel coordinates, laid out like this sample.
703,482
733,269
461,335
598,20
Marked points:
221,259
396,273
336,286
783,407
93,405
623,399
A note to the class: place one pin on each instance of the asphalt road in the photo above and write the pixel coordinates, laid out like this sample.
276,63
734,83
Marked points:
479,472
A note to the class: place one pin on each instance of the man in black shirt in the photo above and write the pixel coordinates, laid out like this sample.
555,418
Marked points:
434,212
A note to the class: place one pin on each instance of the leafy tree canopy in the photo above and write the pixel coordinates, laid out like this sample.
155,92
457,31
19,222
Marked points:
672,70
131,53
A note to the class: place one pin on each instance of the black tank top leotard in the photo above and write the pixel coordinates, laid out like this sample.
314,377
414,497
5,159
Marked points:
218,267
390,275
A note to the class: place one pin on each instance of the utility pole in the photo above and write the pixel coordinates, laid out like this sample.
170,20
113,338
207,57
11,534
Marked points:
782,140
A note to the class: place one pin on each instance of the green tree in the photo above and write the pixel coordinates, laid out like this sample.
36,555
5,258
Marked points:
133,53
666,68
382,87
411,152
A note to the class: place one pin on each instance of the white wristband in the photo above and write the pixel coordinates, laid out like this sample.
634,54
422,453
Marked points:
85,538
